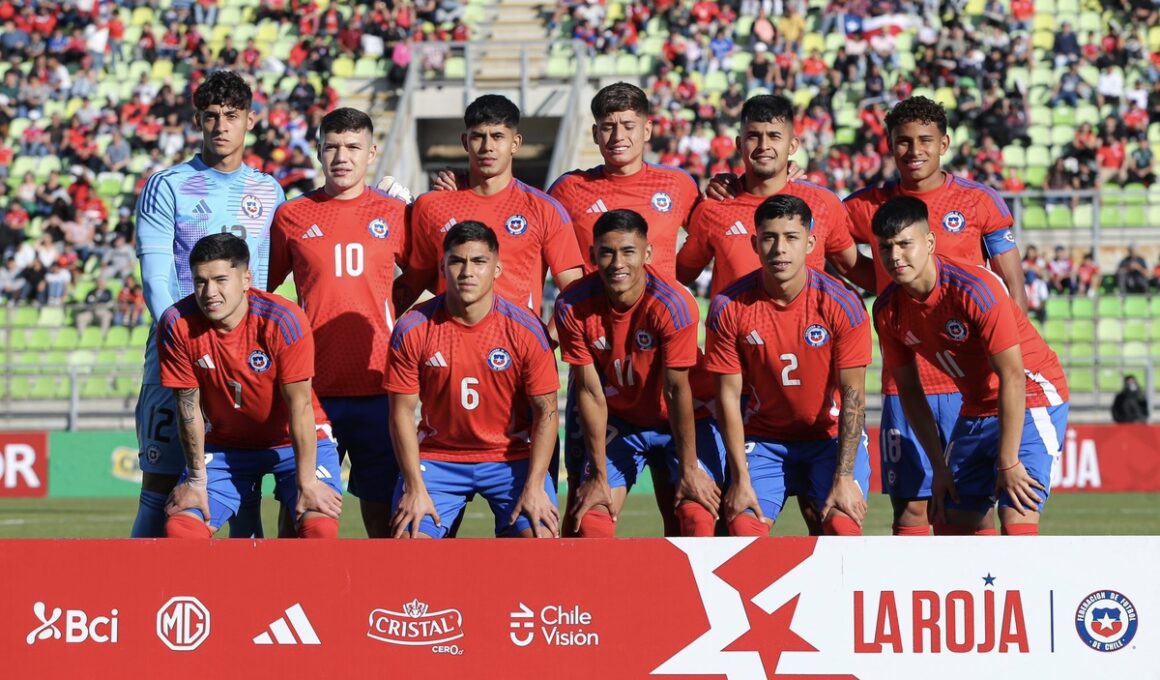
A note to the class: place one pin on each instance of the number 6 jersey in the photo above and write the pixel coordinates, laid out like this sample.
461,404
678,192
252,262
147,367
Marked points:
474,382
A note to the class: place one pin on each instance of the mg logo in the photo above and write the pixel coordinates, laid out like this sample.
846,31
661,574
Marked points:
183,623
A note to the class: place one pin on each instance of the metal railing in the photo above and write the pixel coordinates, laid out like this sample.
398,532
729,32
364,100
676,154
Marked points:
569,133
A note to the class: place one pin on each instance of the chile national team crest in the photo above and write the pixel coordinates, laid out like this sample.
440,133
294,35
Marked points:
516,225
817,335
954,221
662,202
252,206
378,228
957,330
645,340
259,361
1106,621
499,359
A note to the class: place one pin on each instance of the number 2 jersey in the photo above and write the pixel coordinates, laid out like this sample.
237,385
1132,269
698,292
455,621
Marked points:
342,254
240,373
474,382
967,319
788,356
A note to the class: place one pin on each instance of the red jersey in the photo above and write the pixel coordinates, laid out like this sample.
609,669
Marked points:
474,381
534,231
721,231
664,196
966,320
240,373
342,255
631,349
788,357
969,221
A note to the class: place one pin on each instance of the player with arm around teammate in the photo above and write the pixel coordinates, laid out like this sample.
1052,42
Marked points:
485,371
240,362
631,337
795,343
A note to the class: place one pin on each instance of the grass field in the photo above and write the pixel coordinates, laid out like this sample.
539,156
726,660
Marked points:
1067,514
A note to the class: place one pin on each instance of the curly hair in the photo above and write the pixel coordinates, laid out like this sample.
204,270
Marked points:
917,110
223,88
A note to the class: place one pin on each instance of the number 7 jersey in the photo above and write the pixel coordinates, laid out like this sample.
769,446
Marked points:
475,382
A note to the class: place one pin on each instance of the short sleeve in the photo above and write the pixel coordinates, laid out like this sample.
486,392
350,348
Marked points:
570,329
294,348
894,352
539,367
721,354
860,213
280,258
852,343
697,252
560,250
423,254
996,324
156,217
680,344
838,236
176,366
402,374
691,195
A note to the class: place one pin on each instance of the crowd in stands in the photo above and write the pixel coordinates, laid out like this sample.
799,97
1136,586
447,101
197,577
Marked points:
1060,275
979,65
95,97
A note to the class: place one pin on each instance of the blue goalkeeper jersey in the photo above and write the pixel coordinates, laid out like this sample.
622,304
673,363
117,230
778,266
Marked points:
181,205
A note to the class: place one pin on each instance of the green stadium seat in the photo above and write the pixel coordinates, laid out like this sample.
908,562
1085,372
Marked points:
1135,350
139,336
1058,307
1059,219
602,65
1014,156
1082,308
66,339
1111,216
629,65
1111,380
1080,379
124,386
1062,115
19,387
1086,113
1136,216
25,317
1035,176
51,316
44,387
1154,350
1082,331
1135,329
1062,136
107,357
560,66
1055,331
38,340
1109,350
116,338
455,68
1110,306
82,359
91,338
1135,194
1154,329
96,387
1034,217
1083,216
54,359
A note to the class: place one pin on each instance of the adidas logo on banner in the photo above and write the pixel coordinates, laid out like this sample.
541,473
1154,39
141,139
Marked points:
911,339
738,229
313,232
295,620
601,343
447,227
206,362
753,338
436,361
598,207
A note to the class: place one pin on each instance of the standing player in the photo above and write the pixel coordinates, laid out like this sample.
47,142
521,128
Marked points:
484,369
341,243
214,192
721,231
796,342
959,317
534,230
972,224
631,337
240,362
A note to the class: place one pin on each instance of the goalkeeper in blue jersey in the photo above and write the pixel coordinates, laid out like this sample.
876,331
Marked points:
213,192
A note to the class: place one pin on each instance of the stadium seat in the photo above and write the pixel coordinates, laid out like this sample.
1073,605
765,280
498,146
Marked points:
343,67
91,338
1135,349
1055,332
455,68
560,66
1082,331
1035,176
1082,308
1034,217
1109,351
602,65
1111,380
1135,216
1083,216
1135,330
629,65
1154,350
96,387
1014,156
1080,379
36,340
66,339
127,387
139,336
1110,307
116,338
1111,216
25,317
19,387
1059,219
1057,308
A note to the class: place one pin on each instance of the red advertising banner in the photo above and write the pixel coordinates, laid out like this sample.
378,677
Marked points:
725,609
1105,457
23,464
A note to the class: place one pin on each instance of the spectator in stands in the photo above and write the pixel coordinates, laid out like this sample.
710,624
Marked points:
34,288
1111,157
56,284
12,283
1139,168
1132,273
1037,292
130,304
1130,404
1070,88
1032,262
760,72
1087,276
1066,48
1110,87
119,261
1061,271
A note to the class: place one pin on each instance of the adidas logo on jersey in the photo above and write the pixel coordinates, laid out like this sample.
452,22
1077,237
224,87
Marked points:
911,339
285,628
601,343
437,361
753,338
598,207
447,227
313,232
206,362
738,229
202,208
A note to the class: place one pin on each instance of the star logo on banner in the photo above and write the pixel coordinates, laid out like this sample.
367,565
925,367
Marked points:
988,580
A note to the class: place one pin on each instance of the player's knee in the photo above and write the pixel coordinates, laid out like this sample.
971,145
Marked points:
318,527
1021,529
184,525
597,524
695,520
747,524
840,525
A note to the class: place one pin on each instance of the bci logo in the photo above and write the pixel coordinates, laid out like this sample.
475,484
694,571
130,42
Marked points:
72,625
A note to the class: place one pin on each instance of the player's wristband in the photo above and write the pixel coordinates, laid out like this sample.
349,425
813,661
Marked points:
197,479
1009,467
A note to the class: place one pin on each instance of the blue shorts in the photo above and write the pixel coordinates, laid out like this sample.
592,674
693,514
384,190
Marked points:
630,448
906,473
362,427
235,475
974,448
781,469
158,442
451,486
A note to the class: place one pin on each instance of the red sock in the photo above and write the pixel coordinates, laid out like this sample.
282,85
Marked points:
951,530
597,524
695,519
985,532
1020,529
318,527
184,525
747,524
841,525
900,530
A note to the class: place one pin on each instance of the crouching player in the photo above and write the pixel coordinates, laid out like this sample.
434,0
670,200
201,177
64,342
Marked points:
245,358
632,338
795,342
485,372
959,317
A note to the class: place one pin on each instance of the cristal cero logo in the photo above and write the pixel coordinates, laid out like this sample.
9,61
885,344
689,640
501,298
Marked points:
417,626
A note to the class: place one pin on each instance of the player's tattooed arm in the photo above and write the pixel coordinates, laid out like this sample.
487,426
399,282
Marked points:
191,494
845,494
851,424
534,501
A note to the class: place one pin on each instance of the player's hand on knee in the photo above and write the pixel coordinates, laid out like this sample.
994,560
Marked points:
741,498
723,186
318,497
540,511
942,486
448,179
1020,488
413,507
846,497
592,493
696,485
191,494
